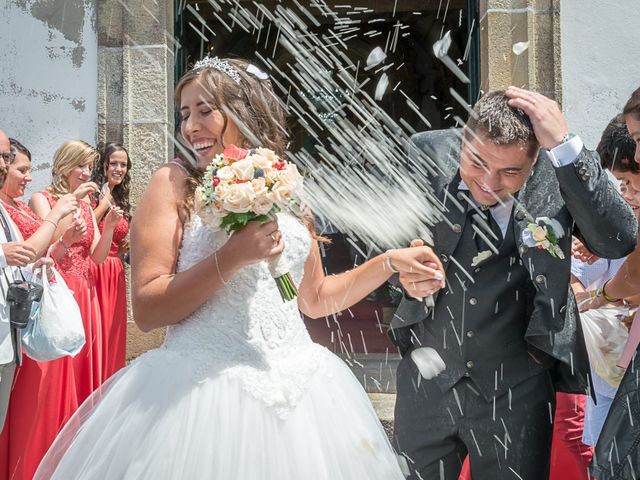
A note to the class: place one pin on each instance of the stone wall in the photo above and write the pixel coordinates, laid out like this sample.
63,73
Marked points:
507,22
135,100
48,53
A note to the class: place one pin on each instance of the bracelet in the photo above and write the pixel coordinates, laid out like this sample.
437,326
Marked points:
607,297
387,261
215,256
55,225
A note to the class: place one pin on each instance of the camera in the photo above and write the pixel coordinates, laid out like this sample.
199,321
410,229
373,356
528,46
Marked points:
20,296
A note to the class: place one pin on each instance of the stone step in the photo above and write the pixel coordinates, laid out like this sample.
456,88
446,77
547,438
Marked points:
376,372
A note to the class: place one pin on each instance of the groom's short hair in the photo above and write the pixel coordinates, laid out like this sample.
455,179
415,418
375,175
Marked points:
494,119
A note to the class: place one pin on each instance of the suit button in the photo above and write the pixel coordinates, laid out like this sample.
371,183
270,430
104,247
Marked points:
456,228
469,364
467,374
520,215
477,270
473,301
541,279
444,258
471,334
523,249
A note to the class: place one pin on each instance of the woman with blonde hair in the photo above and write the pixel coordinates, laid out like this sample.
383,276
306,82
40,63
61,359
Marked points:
72,167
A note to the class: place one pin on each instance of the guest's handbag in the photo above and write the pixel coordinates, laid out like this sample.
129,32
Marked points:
57,329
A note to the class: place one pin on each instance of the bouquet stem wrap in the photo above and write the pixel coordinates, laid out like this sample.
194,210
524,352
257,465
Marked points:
279,269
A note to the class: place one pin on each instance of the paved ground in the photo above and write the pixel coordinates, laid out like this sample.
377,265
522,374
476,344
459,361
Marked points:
384,404
377,374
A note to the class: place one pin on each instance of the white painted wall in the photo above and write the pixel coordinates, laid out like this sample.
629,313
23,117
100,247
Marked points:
600,62
48,76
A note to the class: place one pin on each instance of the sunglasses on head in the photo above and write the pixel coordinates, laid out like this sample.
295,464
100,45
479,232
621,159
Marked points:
8,156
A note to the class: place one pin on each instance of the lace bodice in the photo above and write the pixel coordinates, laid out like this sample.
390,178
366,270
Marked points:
245,329
24,218
75,261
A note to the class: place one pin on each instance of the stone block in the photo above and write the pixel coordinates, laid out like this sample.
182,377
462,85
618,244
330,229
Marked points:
147,83
149,148
110,28
146,23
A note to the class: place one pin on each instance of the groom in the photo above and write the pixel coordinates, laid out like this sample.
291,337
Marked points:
516,185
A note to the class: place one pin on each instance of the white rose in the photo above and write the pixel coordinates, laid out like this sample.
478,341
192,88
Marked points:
211,220
282,193
259,161
269,155
225,174
259,186
262,204
217,209
243,169
290,176
239,198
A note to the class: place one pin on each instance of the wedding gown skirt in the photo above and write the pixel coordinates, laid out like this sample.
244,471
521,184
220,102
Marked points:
237,392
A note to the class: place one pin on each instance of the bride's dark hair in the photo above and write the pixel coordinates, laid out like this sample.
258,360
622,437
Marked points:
251,104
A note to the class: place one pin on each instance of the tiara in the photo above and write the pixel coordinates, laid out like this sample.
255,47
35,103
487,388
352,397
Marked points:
220,65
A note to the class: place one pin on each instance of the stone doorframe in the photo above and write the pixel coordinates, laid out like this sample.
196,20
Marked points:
136,65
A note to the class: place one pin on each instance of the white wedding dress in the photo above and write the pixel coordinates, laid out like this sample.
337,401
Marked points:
238,391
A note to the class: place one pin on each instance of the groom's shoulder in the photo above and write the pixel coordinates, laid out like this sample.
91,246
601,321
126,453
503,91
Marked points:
438,139
442,146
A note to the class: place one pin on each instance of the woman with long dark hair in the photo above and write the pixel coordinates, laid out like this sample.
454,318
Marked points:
112,175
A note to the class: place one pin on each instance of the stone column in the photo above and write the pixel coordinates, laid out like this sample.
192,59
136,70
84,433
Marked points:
135,98
507,22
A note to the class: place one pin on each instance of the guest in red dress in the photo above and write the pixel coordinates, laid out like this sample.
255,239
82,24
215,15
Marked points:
112,174
43,396
72,168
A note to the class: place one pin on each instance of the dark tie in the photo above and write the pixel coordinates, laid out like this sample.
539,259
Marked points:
487,230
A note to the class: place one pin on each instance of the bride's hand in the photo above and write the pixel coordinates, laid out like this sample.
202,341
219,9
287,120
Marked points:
256,242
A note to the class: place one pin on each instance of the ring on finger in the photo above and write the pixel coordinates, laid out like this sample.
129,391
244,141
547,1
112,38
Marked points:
533,101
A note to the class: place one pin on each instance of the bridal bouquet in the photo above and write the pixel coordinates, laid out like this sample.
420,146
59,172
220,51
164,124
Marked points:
240,186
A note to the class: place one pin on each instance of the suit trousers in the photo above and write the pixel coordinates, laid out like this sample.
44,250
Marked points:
508,437
6,382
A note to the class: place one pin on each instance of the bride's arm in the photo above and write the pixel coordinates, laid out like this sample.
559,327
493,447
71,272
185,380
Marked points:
160,296
320,295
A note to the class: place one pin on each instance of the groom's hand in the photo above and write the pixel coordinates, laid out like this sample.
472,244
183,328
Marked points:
547,120
420,271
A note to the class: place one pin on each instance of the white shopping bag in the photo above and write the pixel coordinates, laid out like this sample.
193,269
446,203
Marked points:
605,337
57,329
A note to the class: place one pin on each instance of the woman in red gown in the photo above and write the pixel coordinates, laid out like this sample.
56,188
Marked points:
72,166
112,173
43,396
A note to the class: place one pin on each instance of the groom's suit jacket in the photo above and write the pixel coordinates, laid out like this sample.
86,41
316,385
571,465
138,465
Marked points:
583,200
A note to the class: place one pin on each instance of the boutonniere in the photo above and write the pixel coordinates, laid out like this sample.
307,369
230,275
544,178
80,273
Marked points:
544,234
481,257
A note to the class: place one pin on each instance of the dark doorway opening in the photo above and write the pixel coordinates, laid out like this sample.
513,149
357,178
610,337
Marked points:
406,31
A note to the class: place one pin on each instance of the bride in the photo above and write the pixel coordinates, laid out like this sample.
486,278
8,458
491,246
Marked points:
238,390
